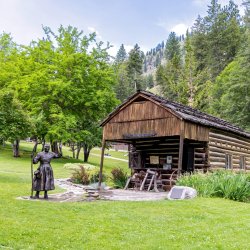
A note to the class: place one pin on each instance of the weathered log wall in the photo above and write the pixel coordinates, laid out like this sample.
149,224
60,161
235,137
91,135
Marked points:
222,144
200,158
160,148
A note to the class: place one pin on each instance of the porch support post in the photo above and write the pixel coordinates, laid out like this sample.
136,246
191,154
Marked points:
207,157
180,154
101,164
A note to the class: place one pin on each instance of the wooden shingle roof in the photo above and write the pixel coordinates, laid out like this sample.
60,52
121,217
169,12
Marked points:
183,112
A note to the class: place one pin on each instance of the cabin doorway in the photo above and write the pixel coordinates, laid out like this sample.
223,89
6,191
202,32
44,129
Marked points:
188,157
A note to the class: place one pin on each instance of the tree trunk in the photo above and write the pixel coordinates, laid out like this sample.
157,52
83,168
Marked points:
72,146
43,144
16,148
86,152
79,147
54,147
60,149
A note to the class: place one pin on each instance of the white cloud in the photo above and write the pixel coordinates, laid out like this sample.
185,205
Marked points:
128,47
180,29
113,50
92,30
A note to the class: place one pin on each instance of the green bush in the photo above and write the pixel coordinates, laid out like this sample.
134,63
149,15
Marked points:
119,177
80,176
84,175
199,181
225,184
94,176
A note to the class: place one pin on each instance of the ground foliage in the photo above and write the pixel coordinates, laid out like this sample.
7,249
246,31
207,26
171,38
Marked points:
202,223
224,184
119,177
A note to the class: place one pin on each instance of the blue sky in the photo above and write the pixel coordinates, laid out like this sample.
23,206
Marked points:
146,22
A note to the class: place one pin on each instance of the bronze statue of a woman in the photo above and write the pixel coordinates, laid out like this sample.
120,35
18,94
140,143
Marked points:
43,177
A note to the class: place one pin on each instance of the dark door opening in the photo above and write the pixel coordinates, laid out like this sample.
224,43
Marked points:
188,157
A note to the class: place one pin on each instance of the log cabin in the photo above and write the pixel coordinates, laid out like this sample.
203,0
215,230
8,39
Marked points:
170,138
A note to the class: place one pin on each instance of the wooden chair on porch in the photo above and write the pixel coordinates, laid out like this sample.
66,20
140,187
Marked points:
151,180
135,180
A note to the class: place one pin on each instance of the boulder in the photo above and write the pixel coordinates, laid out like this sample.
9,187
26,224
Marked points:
181,193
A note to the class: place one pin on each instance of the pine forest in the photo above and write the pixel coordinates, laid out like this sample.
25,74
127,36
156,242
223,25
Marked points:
61,86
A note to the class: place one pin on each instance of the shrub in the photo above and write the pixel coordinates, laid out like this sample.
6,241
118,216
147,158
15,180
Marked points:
84,175
80,176
94,176
119,177
233,186
199,181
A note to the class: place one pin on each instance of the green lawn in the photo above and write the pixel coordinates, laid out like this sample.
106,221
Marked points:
191,224
112,153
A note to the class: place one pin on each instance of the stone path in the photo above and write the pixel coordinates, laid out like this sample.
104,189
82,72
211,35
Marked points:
132,195
78,193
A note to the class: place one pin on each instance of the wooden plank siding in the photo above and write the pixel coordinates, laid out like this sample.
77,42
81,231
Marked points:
141,110
222,143
143,117
196,132
146,117
161,127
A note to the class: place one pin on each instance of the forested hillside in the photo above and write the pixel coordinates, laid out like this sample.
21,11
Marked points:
206,68
61,86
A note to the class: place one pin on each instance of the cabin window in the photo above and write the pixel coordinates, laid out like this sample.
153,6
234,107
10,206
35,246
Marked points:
229,161
242,162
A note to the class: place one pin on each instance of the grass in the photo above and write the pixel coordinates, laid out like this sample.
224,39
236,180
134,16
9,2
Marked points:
112,153
26,148
202,223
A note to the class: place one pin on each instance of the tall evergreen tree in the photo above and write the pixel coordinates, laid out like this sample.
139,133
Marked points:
135,66
122,88
172,48
200,43
224,36
231,92
189,81
217,37
121,55
169,75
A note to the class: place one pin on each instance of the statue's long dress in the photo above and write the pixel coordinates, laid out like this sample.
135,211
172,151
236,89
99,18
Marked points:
46,180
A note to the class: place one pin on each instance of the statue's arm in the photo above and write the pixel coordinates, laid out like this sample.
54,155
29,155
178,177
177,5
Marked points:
37,158
56,155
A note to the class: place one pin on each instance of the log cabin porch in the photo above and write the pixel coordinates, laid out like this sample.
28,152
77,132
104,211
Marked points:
164,157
